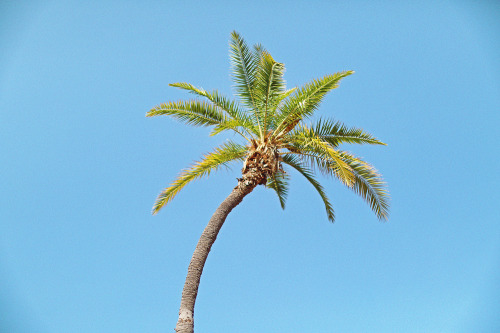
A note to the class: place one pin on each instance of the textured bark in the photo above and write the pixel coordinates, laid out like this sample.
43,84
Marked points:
185,323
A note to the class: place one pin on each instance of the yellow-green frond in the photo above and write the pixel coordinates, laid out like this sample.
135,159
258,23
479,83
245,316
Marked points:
221,156
237,116
369,185
280,98
269,85
305,142
195,113
189,87
243,66
279,183
295,163
306,99
336,133
220,101
283,95
234,125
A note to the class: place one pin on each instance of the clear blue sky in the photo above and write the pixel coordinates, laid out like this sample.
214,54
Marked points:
81,166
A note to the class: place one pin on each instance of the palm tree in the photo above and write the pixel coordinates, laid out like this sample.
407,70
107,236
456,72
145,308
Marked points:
270,120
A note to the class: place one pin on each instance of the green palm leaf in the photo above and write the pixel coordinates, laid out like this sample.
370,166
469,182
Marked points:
191,112
279,183
269,85
295,163
230,107
336,133
236,126
304,140
306,100
221,156
369,185
239,121
283,95
244,65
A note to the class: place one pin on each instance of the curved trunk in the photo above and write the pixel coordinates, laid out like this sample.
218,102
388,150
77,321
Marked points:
185,323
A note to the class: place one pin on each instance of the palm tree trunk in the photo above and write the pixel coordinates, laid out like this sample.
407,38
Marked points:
185,323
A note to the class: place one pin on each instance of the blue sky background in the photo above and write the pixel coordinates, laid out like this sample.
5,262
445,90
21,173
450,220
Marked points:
81,167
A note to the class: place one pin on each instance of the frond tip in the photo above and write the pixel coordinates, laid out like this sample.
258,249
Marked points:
295,163
370,186
279,183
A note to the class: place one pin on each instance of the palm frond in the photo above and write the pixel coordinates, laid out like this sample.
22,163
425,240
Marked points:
230,107
336,133
295,163
230,124
306,100
269,84
258,49
240,122
195,113
280,98
221,156
243,65
279,183
316,162
283,95
369,185
304,141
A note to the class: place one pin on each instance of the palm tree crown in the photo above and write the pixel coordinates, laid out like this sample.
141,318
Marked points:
271,121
